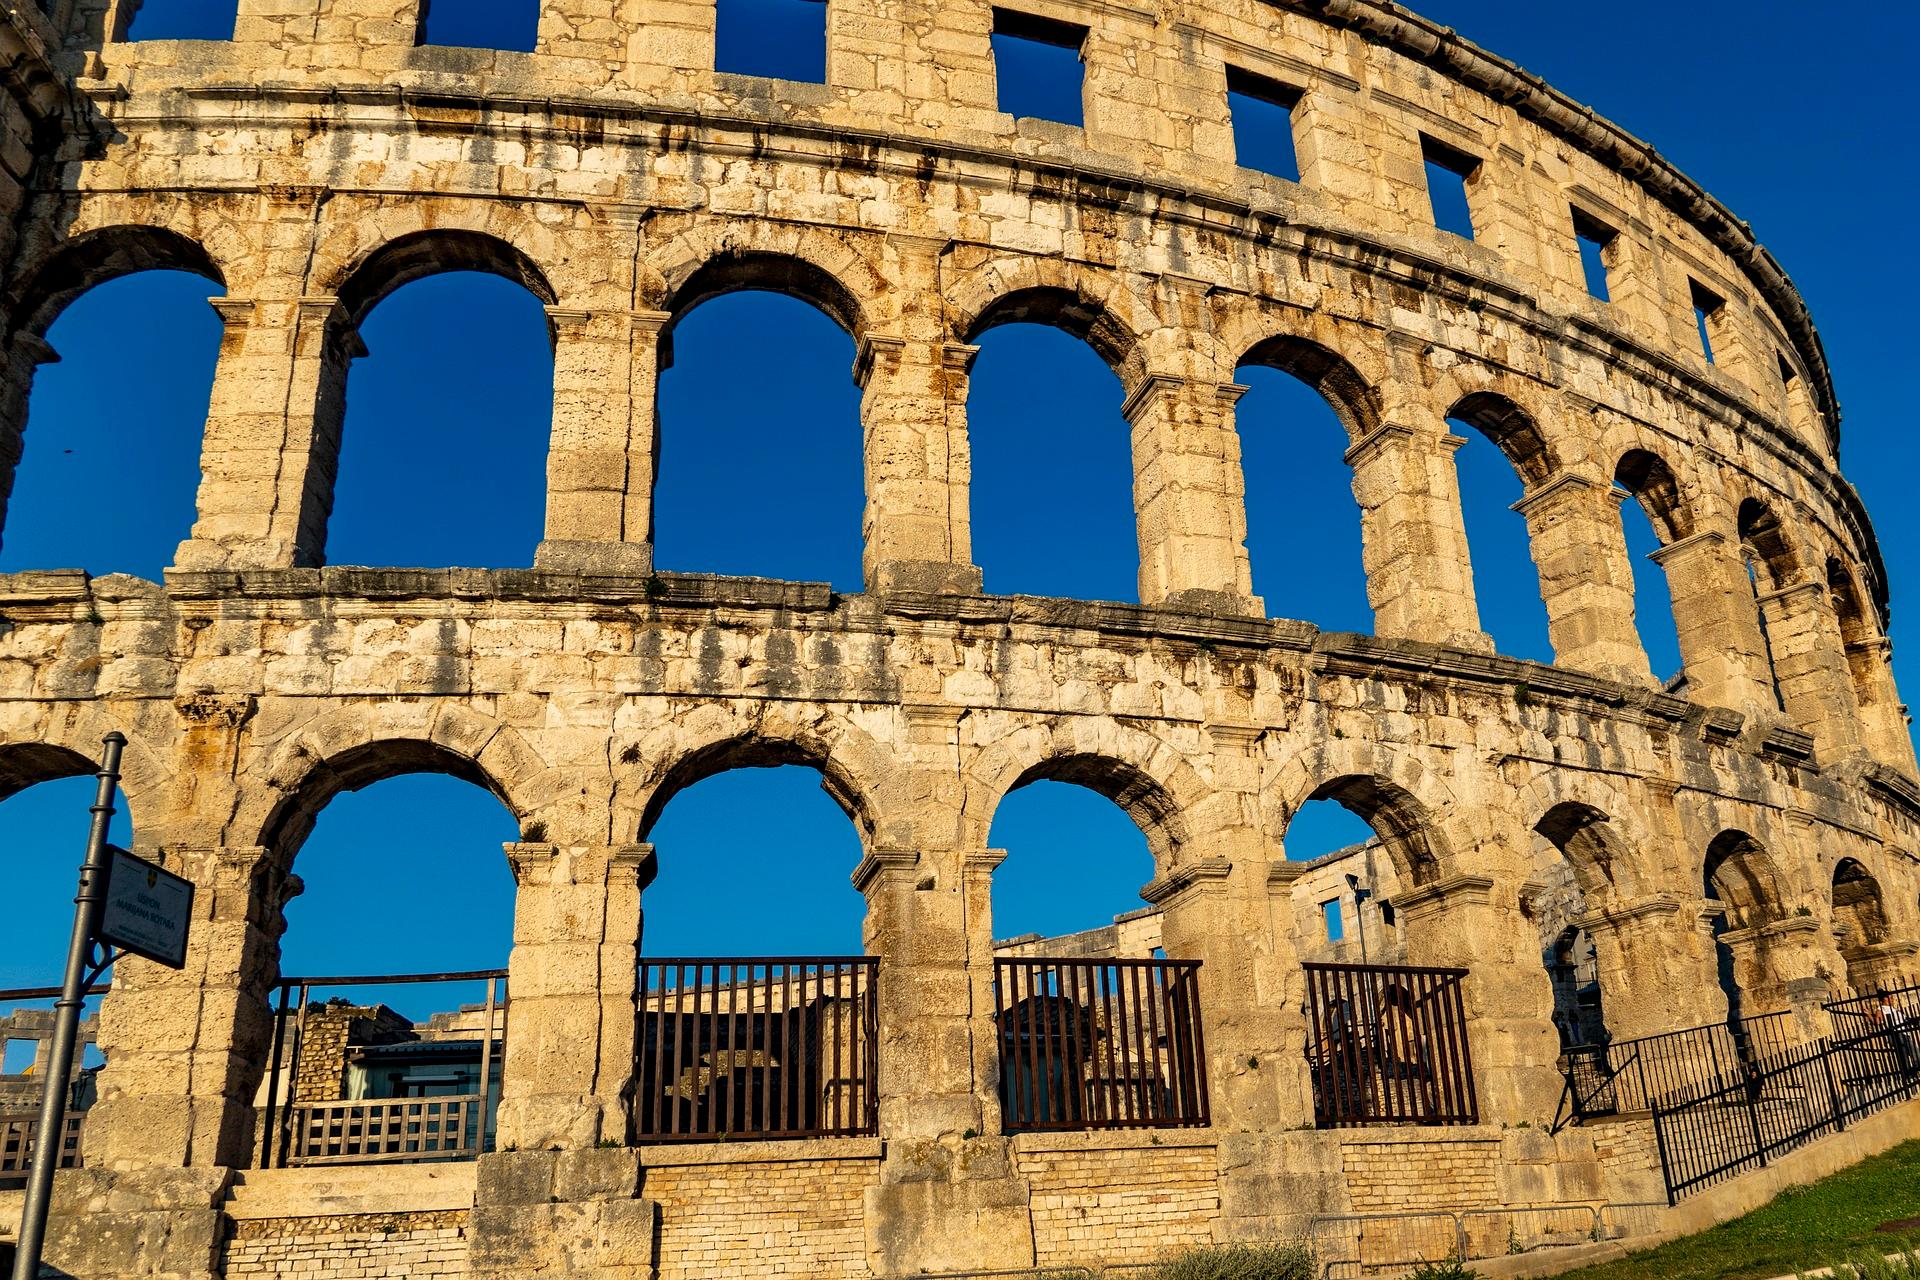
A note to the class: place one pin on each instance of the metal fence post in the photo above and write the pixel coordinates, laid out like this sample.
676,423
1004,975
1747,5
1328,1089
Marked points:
1833,1087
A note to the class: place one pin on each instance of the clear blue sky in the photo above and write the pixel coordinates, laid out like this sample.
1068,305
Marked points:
1777,118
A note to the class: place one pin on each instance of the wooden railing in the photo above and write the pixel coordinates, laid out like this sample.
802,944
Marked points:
377,1130
17,1133
1100,1044
1387,1044
756,1046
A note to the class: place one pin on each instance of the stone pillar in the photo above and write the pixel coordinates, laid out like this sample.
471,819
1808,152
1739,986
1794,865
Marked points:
1586,580
272,442
571,988
1883,721
1877,965
1453,921
602,459
916,527
948,1196
1189,497
1656,966
1415,542
186,1048
23,356
1721,648
1786,964
1810,663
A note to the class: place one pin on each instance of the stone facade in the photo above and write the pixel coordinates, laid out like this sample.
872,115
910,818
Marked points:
322,158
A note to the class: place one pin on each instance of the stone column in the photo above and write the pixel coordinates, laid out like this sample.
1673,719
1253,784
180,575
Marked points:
571,987
1875,965
1720,645
272,442
916,527
948,1196
1883,721
1786,964
1189,497
23,356
186,1048
1414,540
1810,663
1453,921
602,458
1586,579
1656,966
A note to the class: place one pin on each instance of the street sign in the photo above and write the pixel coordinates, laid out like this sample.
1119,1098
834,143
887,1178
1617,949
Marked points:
146,909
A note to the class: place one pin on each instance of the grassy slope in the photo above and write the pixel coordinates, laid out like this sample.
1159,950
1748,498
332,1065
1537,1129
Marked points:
1806,1227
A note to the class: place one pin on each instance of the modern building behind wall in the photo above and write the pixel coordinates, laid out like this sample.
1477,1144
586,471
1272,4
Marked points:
1576,870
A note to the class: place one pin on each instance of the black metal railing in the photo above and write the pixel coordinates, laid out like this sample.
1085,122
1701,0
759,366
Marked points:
1100,1044
1803,1094
1626,1077
1387,1044
756,1047
352,1082
1858,1015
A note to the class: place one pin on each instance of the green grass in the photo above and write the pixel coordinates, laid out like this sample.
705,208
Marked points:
1804,1228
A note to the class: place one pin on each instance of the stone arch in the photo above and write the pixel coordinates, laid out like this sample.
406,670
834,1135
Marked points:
1354,400
734,270
1744,877
356,747
1646,476
1512,430
1602,861
753,750
419,254
1393,794
91,258
1094,307
1149,780
1765,538
1858,904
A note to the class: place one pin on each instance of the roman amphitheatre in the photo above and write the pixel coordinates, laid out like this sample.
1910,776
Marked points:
1620,922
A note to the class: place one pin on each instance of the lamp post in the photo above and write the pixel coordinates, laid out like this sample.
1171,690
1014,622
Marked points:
1360,897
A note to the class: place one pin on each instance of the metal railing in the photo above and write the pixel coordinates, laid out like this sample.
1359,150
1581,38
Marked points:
756,1047
1858,1015
1387,1044
1368,1244
18,1131
1100,1044
1626,1077
307,1117
1799,1096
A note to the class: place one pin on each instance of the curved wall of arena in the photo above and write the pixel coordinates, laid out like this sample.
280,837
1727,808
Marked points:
323,158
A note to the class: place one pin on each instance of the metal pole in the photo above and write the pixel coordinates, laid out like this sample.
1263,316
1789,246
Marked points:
53,1103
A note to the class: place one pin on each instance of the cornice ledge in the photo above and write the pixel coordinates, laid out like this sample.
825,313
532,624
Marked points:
1200,876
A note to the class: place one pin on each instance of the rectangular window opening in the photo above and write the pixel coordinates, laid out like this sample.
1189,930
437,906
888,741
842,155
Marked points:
16,1058
1036,67
1262,115
181,20
1449,169
1336,924
1787,375
512,26
1707,313
1596,240
776,39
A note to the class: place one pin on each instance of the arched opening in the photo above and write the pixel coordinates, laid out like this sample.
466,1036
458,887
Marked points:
438,467
380,1053
757,1014
1859,921
45,795
1097,1025
1740,876
1343,899
1504,456
1859,636
1052,462
1303,407
1576,854
1771,567
1652,515
113,331
778,451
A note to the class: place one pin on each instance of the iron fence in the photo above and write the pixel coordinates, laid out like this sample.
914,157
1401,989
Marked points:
1626,1077
1100,1044
1387,1044
1801,1095
760,1047
352,1082
1368,1244
1858,1015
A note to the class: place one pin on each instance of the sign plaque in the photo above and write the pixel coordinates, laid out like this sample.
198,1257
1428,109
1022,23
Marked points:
146,909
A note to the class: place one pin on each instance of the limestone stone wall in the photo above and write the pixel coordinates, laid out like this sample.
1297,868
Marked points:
761,1218
1137,1199
399,1246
